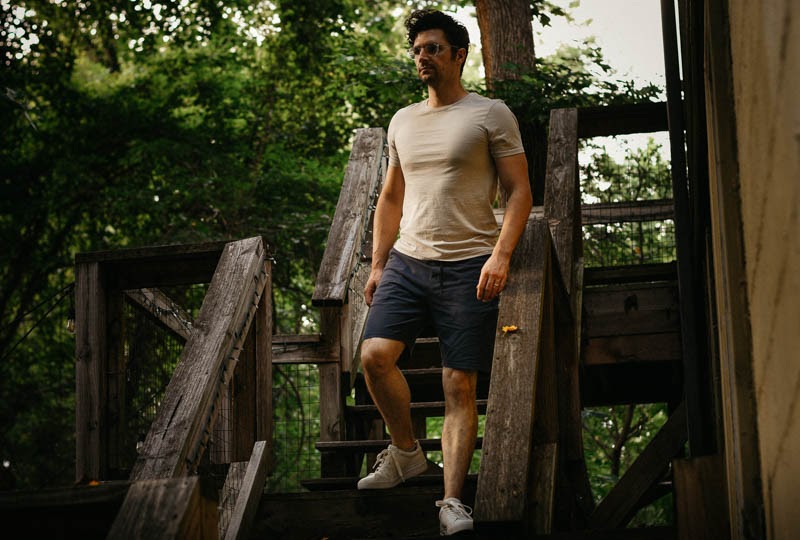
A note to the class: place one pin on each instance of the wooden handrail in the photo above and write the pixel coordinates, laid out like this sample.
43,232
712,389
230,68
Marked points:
348,230
181,429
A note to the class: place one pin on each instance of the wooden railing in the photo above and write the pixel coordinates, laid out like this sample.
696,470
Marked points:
232,334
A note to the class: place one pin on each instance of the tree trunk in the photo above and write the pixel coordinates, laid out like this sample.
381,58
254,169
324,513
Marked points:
506,38
507,49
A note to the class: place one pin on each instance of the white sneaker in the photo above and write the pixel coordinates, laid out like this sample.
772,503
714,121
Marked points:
394,466
453,516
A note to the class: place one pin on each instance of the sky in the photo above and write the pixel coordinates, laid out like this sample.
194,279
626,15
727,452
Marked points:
627,31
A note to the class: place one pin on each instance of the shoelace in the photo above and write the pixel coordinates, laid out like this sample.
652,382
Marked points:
459,510
384,457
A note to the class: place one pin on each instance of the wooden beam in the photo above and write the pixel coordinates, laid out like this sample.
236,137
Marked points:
180,431
637,273
615,509
739,411
621,119
696,365
700,498
252,487
640,349
562,190
162,309
508,434
625,310
263,330
90,369
158,266
352,213
167,508
627,212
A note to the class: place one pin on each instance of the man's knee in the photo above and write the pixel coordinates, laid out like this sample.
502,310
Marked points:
379,356
459,386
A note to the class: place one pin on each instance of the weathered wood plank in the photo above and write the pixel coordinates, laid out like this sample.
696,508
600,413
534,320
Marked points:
263,330
90,368
229,494
627,212
615,509
332,426
302,349
252,487
163,310
562,191
627,310
167,508
543,486
637,348
182,426
621,119
700,498
358,310
115,402
739,407
407,512
638,273
349,222
508,433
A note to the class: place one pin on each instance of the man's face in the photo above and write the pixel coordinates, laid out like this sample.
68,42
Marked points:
434,69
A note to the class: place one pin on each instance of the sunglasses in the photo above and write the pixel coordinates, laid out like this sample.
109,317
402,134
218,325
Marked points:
431,49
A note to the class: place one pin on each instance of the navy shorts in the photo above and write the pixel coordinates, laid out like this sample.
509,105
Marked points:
415,294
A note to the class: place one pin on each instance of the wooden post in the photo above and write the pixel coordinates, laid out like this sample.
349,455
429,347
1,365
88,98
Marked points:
263,331
331,398
90,369
182,426
562,192
352,213
171,508
503,481
740,415
700,498
244,512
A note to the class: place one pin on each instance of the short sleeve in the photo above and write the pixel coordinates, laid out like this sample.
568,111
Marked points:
394,159
503,129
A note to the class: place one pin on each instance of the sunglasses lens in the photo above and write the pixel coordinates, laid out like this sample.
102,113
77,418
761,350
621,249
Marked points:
431,49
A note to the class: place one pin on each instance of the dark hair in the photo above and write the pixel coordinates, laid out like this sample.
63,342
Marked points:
431,19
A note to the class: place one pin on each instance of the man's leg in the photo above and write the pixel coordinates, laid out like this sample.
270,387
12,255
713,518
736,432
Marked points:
460,427
388,388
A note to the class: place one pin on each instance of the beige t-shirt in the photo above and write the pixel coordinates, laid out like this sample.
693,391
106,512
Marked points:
447,157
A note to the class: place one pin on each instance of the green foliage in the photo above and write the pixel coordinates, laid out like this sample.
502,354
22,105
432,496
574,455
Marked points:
575,76
613,439
643,175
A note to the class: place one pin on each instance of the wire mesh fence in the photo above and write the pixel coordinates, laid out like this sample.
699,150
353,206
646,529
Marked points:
151,354
295,395
627,243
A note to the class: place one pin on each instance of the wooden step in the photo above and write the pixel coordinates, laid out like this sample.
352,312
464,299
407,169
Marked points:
373,446
350,482
401,512
425,409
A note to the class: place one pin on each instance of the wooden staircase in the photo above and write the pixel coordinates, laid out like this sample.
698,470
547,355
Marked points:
585,337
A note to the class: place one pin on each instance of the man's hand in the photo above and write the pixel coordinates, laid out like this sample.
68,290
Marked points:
372,284
494,276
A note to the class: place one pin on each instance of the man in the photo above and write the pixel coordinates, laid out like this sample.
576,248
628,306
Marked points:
448,265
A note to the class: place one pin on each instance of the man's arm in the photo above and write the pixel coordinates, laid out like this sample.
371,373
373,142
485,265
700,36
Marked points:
386,224
513,174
